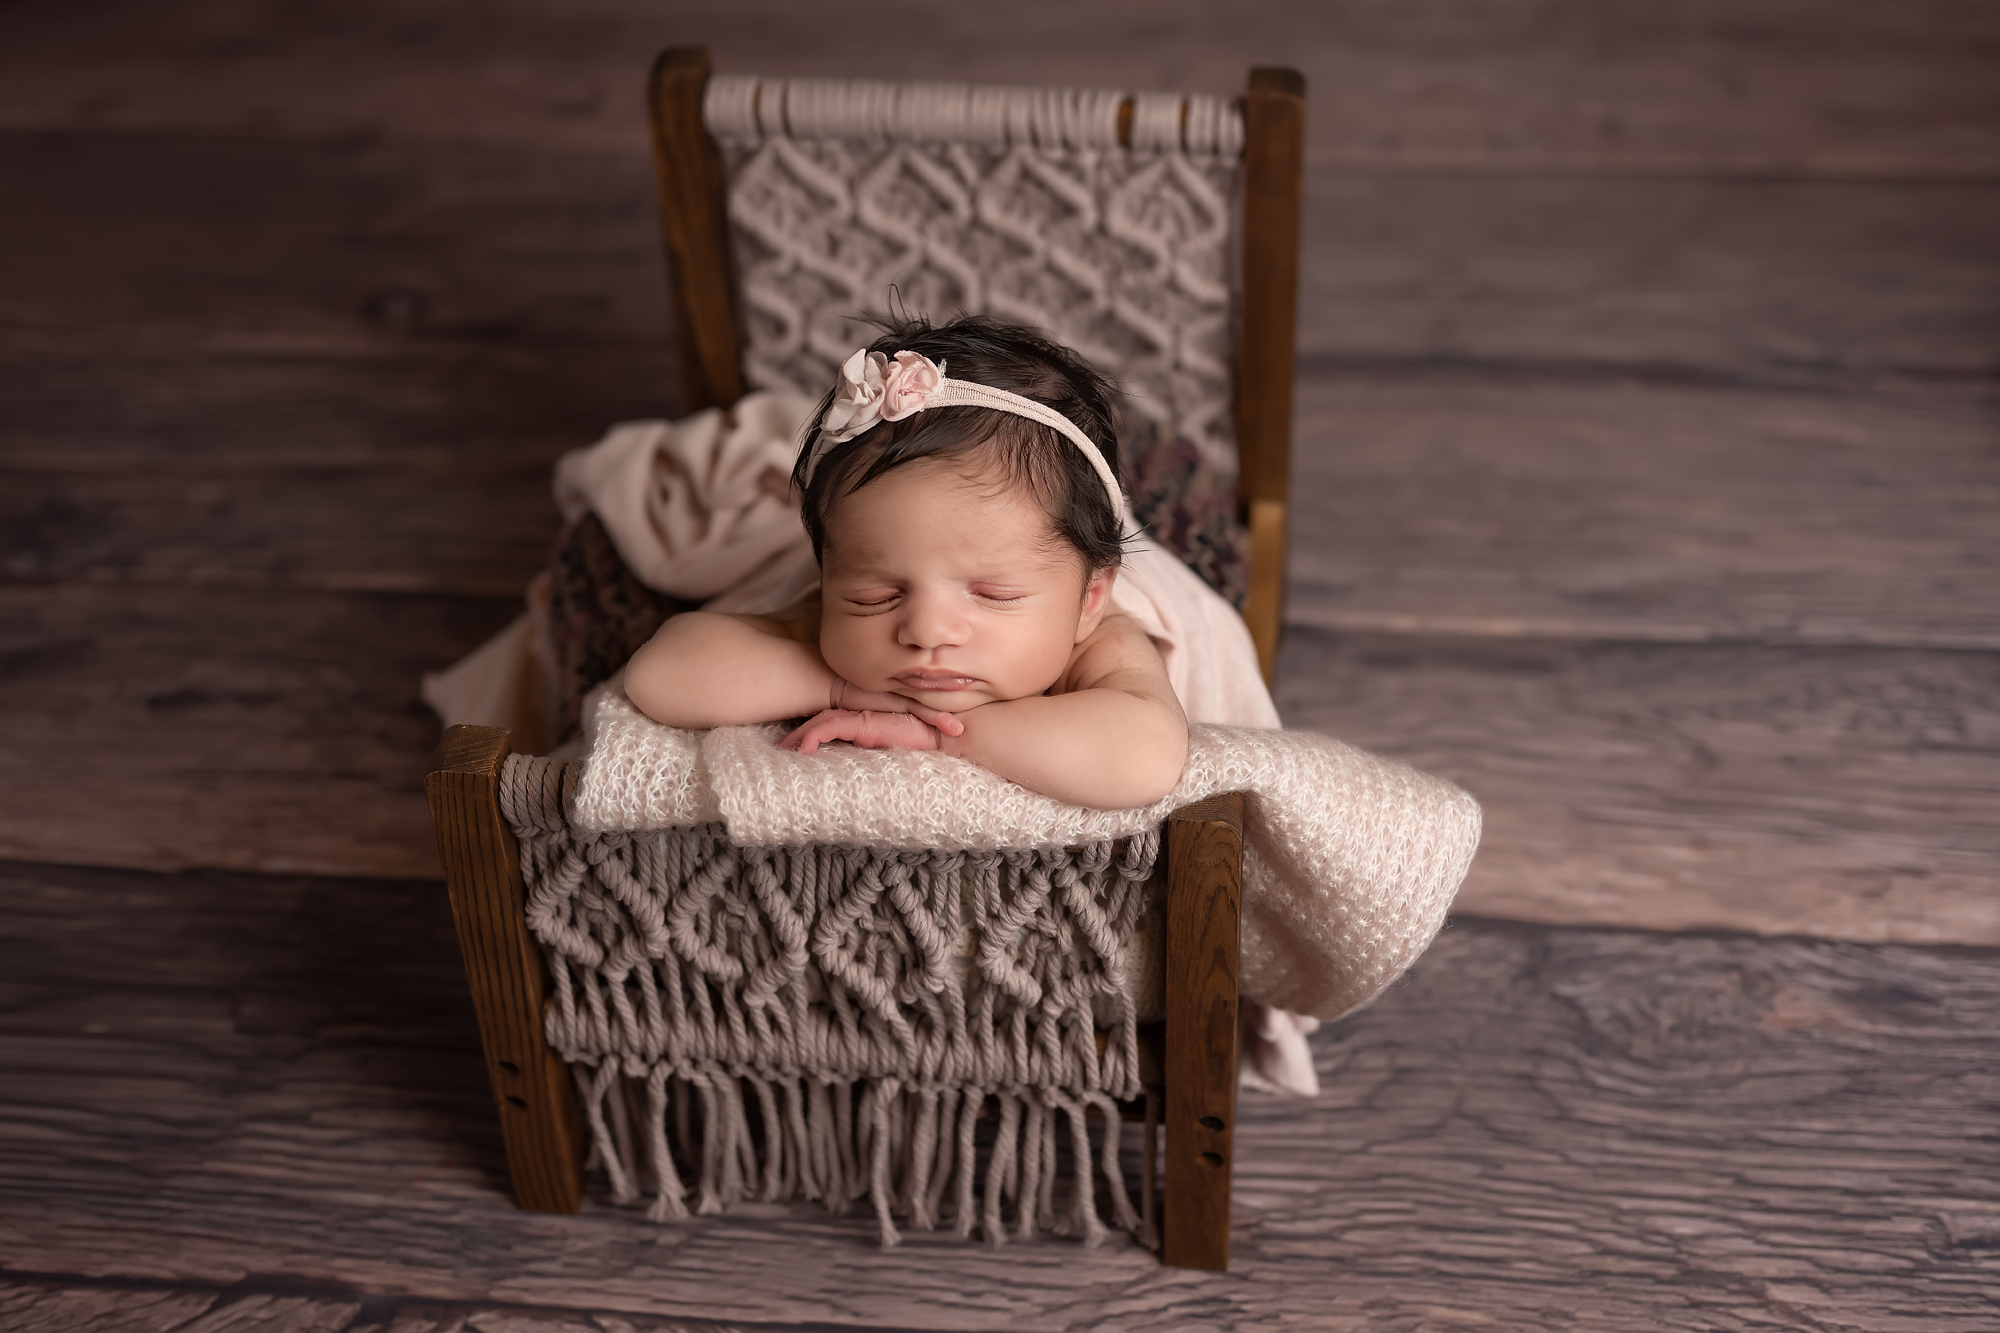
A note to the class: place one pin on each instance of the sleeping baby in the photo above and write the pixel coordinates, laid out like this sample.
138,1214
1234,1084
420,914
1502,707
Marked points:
961,493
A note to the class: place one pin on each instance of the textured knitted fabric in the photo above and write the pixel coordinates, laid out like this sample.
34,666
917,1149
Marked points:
1350,860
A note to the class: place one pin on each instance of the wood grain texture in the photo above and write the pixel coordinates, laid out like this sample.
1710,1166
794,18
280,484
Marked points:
1632,511
694,202
275,731
1846,793
1791,283
67,1305
533,1095
1274,110
218,1079
144,244
1202,966
362,528
1819,87
137,243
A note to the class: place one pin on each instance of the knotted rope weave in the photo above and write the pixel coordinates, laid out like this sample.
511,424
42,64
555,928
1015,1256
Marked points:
868,1002
1106,218
749,107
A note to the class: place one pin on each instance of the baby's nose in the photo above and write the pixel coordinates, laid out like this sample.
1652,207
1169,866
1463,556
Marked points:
932,622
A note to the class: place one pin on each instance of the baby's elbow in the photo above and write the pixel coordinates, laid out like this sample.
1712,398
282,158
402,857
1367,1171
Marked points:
646,685
1151,767
665,680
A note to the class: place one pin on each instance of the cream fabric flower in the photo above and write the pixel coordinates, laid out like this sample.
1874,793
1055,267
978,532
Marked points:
872,389
857,398
908,385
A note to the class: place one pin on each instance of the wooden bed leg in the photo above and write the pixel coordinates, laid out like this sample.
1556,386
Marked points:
1204,917
539,1118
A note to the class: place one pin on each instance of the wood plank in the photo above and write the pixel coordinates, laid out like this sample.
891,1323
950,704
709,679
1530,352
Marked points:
1274,122
1475,505
165,727
1784,86
443,415
50,1307
218,1078
393,528
56,1305
1203,965
532,1092
694,229
255,246
148,245
1845,793
1765,281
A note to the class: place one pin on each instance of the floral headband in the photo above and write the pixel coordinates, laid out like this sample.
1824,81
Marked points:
874,389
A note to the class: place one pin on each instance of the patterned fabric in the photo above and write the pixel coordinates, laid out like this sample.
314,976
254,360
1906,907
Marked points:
1124,256
1190,508
599,615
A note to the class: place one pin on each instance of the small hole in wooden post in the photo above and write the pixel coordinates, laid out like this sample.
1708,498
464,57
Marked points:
514,1101
1211,1159
510,1066
1211,1122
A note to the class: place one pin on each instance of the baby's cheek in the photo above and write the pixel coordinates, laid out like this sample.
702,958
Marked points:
844,655
1049,658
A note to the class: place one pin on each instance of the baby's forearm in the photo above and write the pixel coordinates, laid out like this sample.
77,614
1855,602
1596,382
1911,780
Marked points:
709,670
1102,748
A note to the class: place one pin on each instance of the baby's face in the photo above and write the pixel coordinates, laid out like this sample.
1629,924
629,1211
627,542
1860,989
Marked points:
951,589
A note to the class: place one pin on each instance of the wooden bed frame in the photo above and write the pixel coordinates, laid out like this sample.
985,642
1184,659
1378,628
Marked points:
1191,1064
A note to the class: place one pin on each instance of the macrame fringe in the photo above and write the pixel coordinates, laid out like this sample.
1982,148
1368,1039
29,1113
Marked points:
912,1153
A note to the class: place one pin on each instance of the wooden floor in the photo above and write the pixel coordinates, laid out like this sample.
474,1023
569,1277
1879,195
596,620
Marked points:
1648,470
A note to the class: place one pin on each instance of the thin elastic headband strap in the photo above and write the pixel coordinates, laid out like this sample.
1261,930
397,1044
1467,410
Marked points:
965,393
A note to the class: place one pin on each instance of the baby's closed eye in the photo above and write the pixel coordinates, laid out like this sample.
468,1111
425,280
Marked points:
873,599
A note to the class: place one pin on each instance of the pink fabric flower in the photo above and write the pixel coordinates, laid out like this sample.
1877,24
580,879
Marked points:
857,398
908,385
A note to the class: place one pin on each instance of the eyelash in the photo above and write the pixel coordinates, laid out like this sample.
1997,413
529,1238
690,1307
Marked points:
883,603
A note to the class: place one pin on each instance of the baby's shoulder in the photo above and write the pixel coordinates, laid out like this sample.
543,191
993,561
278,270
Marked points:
1119,650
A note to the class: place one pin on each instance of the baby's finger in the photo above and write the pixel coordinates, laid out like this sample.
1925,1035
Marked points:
948,723
809,735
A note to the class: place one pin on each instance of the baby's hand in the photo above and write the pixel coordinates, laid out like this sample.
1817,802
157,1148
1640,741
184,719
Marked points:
843,697
869,730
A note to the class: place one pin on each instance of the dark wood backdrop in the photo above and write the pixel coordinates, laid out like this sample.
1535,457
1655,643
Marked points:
1648,457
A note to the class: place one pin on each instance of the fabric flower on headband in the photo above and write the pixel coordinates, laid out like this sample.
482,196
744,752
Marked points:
873,389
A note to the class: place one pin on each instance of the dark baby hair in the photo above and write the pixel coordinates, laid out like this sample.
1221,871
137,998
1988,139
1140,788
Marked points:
1027,453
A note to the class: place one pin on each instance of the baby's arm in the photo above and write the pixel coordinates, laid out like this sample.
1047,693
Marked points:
1114,738
708,669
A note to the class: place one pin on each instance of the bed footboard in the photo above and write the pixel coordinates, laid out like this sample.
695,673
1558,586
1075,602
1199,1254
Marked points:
536,1098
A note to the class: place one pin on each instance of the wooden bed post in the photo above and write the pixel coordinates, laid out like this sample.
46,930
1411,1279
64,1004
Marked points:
694,221
1274,136
539,1118
1204,912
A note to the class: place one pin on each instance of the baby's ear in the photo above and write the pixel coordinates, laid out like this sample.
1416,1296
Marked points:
1096,601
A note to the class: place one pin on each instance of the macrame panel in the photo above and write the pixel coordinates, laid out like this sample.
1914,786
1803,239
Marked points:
859,1007
846,197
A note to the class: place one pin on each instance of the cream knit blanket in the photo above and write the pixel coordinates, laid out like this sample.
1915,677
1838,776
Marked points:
1350,860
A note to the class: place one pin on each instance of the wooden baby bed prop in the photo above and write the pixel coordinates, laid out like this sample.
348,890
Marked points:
1189,1062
